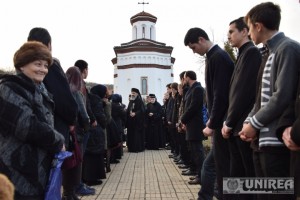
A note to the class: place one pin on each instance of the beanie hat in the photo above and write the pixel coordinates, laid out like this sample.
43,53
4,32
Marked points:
30,52
152,96
99,90
135,90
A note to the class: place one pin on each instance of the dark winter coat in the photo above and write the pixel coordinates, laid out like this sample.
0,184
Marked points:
96,142
291,117
65,111
218,71
154,126
28,139
192,116
243,86
118,113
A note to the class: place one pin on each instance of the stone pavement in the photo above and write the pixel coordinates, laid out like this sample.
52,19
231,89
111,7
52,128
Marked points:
145,175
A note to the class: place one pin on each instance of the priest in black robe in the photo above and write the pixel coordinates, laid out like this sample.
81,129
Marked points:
135,122
153,124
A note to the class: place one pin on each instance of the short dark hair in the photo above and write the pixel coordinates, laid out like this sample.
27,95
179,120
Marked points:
240,24
191,74
39,34
30,52
181,75
174,86
81,64
266,13
192,36
169,85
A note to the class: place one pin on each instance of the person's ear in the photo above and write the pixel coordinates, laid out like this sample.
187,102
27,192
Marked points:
49,46
258,26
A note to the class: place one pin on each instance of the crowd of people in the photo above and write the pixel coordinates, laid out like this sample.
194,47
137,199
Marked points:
252,105
249,108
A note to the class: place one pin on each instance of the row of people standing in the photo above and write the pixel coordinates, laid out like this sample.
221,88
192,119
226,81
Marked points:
251,105
40,107
185,119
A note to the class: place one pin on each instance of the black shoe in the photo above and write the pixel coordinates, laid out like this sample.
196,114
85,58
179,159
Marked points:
168,148
180,162
183,166
189,173
186,170
67,197
193,177
70,197
171,156
115,161
196,181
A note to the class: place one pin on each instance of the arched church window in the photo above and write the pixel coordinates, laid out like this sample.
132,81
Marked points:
144,85
143,31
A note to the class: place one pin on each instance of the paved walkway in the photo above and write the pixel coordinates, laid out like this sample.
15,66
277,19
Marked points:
146,175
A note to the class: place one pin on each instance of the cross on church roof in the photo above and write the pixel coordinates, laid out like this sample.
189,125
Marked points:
148,3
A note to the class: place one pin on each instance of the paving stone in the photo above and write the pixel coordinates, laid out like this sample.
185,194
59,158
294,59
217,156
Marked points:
149,175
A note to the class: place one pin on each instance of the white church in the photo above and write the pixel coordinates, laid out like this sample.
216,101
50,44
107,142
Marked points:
143,63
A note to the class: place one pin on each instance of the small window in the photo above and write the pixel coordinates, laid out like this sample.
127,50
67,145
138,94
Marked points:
143,32
144,84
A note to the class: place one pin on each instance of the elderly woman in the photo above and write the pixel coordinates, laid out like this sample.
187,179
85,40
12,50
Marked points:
28,140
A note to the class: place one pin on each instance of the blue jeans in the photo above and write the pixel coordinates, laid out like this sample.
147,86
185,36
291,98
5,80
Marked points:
208,177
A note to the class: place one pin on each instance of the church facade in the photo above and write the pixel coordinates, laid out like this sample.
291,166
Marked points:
143,63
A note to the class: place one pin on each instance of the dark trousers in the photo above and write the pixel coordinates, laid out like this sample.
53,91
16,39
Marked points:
171,139
241,162
71,178
184,152
295,172
272,162
208,177
222,160
20,197
197,153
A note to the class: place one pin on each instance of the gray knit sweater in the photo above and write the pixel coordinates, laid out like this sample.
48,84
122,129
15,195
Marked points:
278,89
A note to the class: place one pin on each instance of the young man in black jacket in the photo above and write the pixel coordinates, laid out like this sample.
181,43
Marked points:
218,71
242,94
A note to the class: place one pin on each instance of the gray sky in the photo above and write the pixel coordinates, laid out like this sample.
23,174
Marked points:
89,29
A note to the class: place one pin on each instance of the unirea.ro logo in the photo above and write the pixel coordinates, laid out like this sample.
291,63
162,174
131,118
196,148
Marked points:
258,185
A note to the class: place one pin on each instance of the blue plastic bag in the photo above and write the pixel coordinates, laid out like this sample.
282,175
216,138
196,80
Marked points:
53,189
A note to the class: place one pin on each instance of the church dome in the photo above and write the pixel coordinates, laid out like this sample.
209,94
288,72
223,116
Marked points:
143,16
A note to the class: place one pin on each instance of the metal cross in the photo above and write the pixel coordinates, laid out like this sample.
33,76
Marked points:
143,4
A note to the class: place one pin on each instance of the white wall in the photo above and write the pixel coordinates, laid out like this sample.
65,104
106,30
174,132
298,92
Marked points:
144,58
139,27
129,78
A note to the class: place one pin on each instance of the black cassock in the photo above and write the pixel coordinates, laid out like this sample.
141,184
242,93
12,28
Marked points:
135,126
154,126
